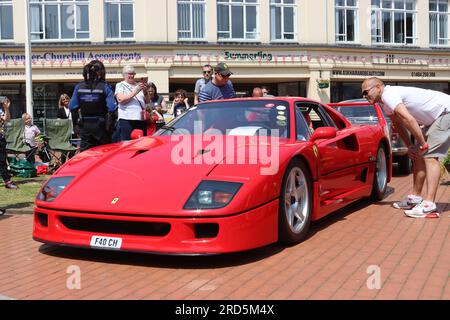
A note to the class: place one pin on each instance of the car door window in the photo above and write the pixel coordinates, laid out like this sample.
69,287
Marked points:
315,115
302,126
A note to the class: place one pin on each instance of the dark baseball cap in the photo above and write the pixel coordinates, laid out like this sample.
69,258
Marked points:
223,69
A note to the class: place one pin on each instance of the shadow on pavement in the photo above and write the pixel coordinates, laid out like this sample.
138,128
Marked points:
20,205
4,216
336,216
162,261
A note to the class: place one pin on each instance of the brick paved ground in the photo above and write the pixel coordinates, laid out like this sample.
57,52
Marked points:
413,256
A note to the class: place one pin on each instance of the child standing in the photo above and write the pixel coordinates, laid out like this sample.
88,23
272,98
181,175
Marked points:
30,133
180,103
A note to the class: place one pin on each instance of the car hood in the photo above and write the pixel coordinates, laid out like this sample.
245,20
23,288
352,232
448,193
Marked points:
151,175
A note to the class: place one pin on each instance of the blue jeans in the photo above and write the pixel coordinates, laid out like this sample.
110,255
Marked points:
125,127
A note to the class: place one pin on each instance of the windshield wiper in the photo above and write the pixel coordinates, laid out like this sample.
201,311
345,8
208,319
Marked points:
171,129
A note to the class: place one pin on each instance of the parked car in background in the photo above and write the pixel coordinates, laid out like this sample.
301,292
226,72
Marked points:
359,111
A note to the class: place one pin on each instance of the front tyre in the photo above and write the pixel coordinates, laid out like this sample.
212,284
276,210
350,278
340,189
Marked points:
295,207
380,176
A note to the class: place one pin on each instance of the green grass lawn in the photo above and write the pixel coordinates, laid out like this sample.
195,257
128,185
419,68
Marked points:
23,196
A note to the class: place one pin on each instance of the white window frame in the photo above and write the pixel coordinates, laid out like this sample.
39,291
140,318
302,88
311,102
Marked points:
438,14
346,8
191,16
118,3
59,3
377,23
7,4
283,5
244,4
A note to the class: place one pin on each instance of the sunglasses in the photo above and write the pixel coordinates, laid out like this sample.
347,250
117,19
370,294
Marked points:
225,76
206,72
366,92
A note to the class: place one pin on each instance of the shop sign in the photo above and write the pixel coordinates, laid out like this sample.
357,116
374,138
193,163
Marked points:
255,56
423,74
11,73
48,56
399,59
359,73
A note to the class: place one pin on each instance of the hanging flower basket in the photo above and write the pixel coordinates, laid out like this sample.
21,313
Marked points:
323,83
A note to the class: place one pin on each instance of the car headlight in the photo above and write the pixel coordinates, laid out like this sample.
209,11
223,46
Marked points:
53,188
212,195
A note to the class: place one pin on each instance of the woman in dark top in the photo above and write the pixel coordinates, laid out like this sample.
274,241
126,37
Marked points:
65,113
158,104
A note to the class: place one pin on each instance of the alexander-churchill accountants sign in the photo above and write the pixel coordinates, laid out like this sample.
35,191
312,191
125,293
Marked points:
79,55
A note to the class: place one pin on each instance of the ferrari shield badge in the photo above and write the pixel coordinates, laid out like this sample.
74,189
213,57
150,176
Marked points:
115,200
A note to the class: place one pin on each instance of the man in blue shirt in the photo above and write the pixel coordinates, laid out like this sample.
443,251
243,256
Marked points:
220,87
94,98
207,75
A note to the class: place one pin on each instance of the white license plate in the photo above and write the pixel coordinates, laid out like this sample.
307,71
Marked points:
106,242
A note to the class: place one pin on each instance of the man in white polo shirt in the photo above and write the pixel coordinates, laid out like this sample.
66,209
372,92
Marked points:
426,114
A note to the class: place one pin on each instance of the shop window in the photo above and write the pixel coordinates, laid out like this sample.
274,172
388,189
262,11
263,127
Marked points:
6,20
283,20
346,20
292,89
394,22
59,20
119,19
342,91
16,94
191,19
439,14
237,20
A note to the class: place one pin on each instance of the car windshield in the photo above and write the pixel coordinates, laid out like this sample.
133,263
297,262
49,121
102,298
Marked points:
359,114
233,117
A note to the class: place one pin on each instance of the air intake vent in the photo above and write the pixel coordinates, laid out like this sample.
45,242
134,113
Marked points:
206,230
136,228
43,219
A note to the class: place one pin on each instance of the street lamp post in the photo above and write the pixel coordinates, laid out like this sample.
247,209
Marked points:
28,70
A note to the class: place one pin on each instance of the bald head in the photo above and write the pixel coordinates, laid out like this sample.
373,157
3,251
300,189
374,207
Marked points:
372,89
257,92
373,81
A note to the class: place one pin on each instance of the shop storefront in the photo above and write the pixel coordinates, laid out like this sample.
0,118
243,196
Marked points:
319,74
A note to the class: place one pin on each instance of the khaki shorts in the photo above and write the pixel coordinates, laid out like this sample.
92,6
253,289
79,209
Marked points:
438,137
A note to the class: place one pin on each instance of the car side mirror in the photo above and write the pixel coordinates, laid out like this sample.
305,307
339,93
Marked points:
136,134
324,133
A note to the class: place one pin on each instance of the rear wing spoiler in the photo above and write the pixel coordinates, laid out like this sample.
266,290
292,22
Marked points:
381,119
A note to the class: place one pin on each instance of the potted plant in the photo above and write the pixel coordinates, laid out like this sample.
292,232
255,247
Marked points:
323,83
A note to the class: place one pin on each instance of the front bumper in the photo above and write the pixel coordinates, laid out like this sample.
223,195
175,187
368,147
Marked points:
251,229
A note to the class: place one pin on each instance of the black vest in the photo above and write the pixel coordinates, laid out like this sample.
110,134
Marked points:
92,99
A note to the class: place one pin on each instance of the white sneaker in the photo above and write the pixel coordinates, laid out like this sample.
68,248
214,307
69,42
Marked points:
408,202
426,209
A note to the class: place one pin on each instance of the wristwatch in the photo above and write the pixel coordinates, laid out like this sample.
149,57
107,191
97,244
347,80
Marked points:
424,147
